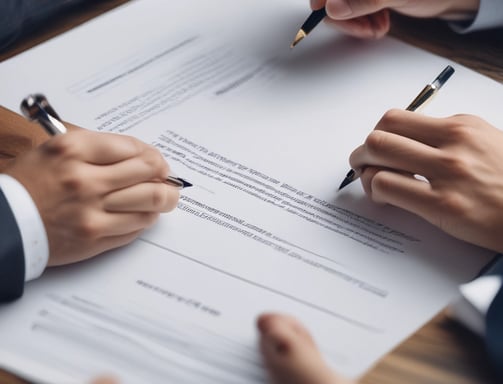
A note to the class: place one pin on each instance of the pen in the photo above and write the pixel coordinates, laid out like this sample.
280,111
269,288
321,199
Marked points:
36,108
425,95
312,21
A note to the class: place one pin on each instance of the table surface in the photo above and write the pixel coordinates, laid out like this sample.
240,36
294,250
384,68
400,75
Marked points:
442,351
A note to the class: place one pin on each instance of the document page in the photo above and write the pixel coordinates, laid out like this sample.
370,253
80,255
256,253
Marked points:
264,133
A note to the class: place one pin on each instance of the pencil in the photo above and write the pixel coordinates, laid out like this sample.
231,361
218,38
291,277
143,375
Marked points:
312,21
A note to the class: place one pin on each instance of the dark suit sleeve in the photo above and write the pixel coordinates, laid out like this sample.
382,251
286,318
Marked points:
494,322
12,268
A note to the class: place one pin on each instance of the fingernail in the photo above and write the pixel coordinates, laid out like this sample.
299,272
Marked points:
337,9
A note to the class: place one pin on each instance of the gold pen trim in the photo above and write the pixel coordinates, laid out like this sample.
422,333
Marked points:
300,36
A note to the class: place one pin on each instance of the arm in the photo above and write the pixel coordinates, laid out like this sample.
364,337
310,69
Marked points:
370,18
495,332
462,161
20,16
87,192
12,267
94,191
17,136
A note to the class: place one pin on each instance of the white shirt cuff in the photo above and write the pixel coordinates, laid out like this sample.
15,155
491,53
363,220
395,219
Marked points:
30,224
489,15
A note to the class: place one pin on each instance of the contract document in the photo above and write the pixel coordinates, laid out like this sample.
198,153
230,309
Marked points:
264,133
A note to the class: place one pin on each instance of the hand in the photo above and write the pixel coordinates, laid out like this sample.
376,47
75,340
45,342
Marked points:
290,354
460,156
370,18
94,191
105,380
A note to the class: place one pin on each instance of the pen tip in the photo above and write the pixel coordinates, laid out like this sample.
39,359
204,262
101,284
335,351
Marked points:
186,184
298,38
350,177
345,183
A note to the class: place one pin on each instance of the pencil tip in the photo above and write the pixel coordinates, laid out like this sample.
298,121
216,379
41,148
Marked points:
298,38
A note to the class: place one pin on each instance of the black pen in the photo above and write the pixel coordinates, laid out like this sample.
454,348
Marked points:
425,95
36,108
312,21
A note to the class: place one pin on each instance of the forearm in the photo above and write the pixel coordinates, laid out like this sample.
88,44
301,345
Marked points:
17,136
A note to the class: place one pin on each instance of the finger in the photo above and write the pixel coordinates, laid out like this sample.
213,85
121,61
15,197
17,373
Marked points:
317,4
404,191
92,226
425,129
105,380
290,354
349,9
366,177
148,166
94,147
113,242
144,197
373,26
117,224
100,246
388,150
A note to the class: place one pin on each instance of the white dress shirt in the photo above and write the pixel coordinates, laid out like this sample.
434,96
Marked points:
489,15
31,227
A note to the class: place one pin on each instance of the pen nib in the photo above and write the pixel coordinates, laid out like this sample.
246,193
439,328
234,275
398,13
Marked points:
300,36
185,183
350,177
177,182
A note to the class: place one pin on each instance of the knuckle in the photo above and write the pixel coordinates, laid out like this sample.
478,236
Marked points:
137,146
452,203
61,146
380,182
332,9
159,198
149,218
155,162
455,166
87,227
375,5
391,116
458,130
375,141
73,180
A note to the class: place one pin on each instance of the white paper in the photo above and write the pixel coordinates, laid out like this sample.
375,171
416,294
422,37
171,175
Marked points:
264,133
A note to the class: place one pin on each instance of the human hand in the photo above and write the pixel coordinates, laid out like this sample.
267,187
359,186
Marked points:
94,191
105,380
460,156
290,354
370,18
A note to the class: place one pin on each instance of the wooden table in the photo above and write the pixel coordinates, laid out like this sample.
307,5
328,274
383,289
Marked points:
442,351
